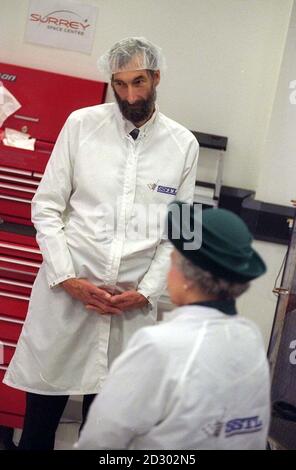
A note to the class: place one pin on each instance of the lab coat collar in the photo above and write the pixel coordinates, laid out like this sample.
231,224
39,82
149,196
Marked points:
202,311
224,306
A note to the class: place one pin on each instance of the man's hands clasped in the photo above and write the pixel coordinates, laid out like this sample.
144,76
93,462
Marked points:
98,299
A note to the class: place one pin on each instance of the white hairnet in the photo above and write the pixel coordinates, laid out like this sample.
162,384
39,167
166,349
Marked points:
131,54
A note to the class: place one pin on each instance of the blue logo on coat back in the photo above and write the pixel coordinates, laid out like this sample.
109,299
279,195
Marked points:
167,190
243,426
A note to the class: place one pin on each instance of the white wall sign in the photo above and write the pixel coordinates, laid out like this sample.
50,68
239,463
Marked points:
62,24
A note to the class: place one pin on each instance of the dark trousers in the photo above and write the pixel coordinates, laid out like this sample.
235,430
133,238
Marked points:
43,414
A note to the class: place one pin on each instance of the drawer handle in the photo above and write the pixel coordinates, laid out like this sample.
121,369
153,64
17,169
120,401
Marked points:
17,271
11,320
6,343
14,296
11,179
20,248
24,189
19,180
17,261
18,199
12,170
26,118
15,283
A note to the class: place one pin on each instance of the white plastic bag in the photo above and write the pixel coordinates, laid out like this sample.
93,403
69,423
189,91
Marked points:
14,138
8,104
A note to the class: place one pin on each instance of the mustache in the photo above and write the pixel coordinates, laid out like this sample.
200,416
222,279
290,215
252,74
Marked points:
136,104
139,110
139,105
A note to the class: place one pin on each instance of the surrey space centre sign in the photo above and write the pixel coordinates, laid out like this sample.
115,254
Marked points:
62,24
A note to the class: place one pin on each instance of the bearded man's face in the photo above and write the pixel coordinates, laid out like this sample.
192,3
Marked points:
135,93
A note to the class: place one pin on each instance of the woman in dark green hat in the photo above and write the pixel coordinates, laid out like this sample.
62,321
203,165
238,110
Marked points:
201,380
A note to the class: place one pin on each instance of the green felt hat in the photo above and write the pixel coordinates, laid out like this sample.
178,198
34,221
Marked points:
225,242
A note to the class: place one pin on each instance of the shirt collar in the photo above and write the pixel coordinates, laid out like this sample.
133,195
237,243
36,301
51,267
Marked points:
205,310
225,306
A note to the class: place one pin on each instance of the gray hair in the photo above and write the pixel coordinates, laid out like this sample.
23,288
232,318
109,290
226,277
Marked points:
208,282
135,53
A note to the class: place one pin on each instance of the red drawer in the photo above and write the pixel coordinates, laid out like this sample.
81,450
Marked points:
18,239
20,208
12,401
17,191
23,180
16,264
17,170
6,354
10,331
13,305
20,251
17,276
16,220
11,420
15,287
24,163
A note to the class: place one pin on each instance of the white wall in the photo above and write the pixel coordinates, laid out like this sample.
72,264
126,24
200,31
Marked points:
277,174
276,182
259,302
223,63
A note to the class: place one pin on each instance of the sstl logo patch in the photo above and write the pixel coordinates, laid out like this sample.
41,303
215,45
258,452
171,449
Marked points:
167,190
243,426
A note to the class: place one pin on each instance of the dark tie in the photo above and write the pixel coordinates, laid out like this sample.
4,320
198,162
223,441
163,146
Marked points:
134,133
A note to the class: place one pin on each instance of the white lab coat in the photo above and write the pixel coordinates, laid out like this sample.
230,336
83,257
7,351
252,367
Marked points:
97,167
199,381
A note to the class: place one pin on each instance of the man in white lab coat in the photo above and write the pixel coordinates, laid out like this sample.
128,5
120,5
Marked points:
99,214
201,380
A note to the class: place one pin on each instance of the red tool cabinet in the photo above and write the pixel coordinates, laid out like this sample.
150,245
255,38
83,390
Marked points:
47,99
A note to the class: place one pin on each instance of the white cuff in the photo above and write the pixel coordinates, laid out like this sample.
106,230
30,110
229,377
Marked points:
151,300
61,279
